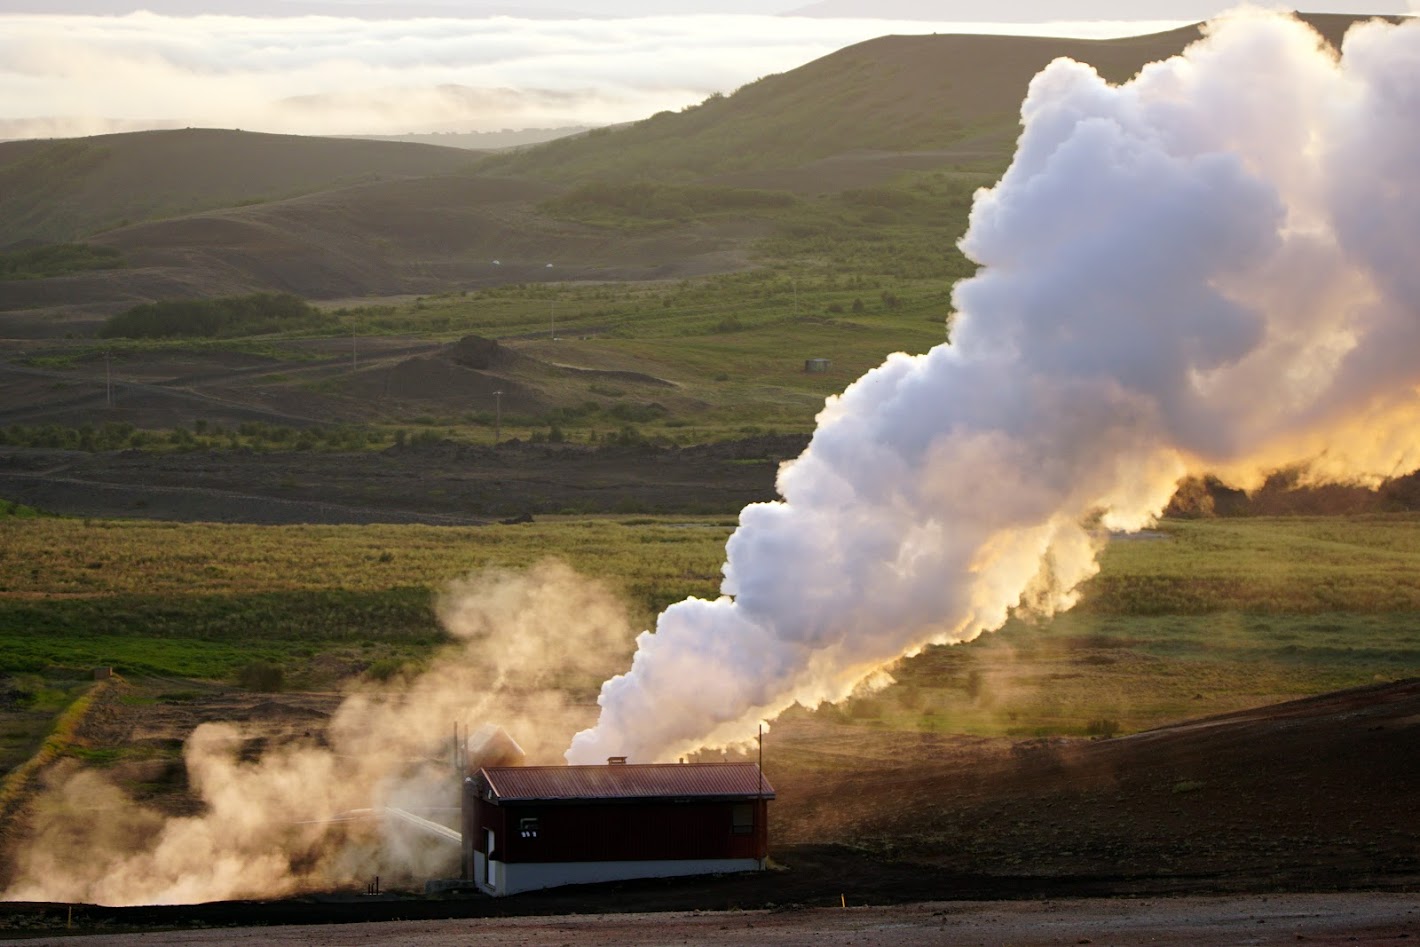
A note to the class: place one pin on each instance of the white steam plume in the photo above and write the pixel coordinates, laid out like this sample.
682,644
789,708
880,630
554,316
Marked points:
271,826
1208,268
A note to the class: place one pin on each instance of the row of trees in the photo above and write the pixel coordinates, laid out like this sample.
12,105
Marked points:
213,318
56,260
202,436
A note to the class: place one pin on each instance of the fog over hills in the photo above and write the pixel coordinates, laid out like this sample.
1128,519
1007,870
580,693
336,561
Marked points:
83,75
209,212
1035,11
391,9
967,11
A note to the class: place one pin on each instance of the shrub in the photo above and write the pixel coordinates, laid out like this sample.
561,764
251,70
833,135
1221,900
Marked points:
263,677
1103,727
211,318
385,669
638,413
56,260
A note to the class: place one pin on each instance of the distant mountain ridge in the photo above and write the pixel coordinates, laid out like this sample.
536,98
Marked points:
481,141
224,213
375,10
1038,11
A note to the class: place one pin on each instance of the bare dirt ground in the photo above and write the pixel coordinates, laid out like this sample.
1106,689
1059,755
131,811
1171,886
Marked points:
1326,919
437,484
1203,832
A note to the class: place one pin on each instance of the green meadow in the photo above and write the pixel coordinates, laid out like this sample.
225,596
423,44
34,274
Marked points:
1201,616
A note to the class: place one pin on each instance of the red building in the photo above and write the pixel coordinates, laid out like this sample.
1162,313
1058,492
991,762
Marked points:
530,827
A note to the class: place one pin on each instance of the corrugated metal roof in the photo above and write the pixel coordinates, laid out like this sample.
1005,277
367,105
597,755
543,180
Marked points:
626,781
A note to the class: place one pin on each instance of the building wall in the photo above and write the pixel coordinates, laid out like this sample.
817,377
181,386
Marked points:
621,831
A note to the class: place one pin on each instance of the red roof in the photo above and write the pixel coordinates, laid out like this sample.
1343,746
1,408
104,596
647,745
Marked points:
626,781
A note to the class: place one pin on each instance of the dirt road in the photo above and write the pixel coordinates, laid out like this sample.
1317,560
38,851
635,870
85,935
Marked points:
1255,919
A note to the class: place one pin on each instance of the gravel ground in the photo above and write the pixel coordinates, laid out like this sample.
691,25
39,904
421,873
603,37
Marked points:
1255,919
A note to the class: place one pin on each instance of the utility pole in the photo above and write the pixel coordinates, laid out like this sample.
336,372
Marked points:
354,350
108,378
554,320
497,417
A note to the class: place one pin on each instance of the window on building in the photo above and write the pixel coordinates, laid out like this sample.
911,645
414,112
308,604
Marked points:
528,827
742,819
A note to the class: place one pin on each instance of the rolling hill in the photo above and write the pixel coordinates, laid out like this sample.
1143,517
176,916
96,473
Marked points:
956,94
389,238
63,190
199,213
1035,11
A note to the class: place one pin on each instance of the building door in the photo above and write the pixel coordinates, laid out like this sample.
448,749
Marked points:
488,859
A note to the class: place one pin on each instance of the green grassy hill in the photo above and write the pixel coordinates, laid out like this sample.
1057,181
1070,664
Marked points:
959,94
57,191
896,93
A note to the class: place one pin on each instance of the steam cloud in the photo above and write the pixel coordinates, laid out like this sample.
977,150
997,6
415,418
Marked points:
1209,268
271,826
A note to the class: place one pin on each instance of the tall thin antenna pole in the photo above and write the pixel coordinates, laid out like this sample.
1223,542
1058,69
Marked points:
497,417
759,820
108,378
554,320
354,350
761,761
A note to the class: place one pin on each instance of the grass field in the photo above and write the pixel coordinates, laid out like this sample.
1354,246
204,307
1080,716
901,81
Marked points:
849,277
1198,617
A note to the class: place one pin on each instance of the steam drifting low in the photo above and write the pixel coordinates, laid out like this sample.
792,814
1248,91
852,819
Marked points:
281,824
1209,268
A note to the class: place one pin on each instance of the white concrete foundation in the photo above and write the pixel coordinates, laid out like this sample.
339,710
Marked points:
500,878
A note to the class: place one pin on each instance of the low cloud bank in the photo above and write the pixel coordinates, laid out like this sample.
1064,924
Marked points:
65,76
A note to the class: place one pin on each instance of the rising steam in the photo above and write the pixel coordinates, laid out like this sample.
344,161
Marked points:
1209,268
274,826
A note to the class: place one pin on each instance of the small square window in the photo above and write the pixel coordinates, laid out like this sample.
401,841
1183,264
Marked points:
742,819
528,827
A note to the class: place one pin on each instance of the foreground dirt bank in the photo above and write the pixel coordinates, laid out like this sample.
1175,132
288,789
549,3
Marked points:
1367,918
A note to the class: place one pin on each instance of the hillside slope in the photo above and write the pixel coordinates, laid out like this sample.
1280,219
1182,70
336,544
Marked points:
893,94
1036,11
56,191
216,213
418,235
1317,791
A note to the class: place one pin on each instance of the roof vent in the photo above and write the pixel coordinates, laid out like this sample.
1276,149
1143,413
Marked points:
616,761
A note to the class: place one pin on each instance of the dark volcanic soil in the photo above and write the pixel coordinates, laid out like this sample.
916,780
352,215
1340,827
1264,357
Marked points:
439,483
1313,795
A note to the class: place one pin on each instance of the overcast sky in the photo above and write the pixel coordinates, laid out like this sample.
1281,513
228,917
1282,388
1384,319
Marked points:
100,67
931,10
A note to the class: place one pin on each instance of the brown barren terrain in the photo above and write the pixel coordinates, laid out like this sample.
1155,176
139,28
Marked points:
1313,795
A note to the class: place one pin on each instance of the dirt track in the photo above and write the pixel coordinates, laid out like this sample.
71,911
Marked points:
1257,919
